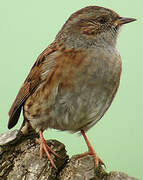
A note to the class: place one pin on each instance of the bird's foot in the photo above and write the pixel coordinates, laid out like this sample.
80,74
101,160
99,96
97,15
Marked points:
97,160
91,151
45,148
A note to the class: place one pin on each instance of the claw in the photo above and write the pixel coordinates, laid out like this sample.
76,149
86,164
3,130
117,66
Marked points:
45,148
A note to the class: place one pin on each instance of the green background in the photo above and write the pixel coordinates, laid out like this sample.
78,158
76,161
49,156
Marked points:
27,27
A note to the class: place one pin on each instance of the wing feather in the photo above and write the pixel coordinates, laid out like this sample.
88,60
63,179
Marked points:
36,76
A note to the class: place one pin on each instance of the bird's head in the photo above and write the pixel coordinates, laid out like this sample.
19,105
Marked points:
93,23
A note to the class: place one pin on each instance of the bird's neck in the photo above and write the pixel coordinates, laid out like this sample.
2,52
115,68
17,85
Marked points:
75,41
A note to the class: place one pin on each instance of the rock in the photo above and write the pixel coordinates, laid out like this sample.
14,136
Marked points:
119,176
20,160
8,137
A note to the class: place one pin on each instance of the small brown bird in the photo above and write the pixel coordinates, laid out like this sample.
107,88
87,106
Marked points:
74,80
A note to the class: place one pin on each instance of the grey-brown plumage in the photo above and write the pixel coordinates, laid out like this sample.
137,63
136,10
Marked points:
75,79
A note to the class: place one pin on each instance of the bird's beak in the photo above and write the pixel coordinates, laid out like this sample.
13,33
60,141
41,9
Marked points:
123,20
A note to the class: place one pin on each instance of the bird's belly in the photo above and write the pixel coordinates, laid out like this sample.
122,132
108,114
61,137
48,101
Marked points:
78,106
74,112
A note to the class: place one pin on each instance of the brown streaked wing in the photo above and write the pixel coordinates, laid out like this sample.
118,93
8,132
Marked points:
30,84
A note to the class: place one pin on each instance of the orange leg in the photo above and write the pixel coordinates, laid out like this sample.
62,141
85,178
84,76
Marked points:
45,148
91,151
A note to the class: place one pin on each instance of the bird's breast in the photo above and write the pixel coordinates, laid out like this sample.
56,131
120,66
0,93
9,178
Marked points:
80,91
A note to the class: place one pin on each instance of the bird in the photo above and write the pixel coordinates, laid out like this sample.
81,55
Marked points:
74,80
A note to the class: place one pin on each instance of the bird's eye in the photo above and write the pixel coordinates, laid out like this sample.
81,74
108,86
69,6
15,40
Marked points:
102,20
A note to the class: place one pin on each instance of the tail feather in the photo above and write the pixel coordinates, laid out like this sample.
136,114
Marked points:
14,118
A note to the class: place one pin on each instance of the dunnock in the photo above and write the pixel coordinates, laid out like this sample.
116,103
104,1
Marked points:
74,80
